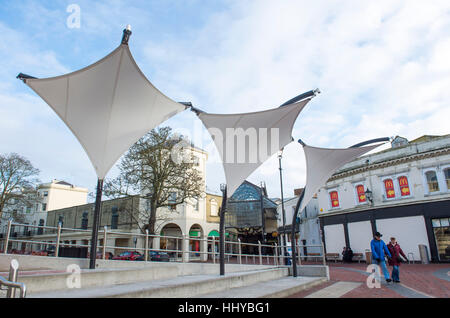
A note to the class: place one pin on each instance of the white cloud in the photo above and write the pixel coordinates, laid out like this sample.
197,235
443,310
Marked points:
382,66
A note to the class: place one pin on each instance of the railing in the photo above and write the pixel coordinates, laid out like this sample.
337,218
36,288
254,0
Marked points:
12,283
177,247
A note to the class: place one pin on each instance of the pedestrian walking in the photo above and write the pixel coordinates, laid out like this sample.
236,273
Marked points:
379,250
395,260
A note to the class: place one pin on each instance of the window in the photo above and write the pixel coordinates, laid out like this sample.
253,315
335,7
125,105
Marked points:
44,206
84,220
196,205
334,197
172,198
404,186
447,177
389,188
45,193
361,193
432,181
114,217
214,211
61,220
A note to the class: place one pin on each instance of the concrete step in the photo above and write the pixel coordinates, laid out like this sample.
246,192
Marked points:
51,282
176,287
278,288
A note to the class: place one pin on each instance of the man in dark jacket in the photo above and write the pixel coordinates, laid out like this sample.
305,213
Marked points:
379,249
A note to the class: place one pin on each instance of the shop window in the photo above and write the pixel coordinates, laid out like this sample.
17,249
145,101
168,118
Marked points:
334,197
432,181
441,229
389,188
404,186
361,193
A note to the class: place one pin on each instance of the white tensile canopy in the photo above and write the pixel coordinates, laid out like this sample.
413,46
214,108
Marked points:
321,163
245,141
108,105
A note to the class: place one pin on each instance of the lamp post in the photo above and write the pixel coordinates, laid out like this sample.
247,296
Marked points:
369,196
283,212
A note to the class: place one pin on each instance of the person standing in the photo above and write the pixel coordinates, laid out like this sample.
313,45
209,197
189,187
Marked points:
395,260
379,250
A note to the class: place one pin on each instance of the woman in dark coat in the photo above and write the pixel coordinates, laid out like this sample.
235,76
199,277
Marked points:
395,260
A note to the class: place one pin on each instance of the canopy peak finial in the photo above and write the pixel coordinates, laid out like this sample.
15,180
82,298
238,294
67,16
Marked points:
126,34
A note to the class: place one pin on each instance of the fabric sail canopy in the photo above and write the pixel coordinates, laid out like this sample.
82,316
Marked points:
245,141
108,105
321,163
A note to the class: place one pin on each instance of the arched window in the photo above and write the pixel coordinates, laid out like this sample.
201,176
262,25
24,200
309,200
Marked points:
432,181
404,186
389,188
447,177
334,197
361,193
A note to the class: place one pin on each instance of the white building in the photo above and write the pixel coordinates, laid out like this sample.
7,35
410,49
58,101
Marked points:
402,192
54,195
50,196
308,223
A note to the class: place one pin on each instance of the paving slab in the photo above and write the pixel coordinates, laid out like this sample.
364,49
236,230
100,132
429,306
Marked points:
335,291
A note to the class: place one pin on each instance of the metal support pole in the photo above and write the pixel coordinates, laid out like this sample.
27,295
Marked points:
8,233
323,253
276,254
294,226
259,251
58,237
240,251
13,268
146,246
263,220
222,231
104,242
283,212
96,223
213,249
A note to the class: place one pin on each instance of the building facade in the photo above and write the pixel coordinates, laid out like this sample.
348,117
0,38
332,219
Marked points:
49,196
130,214
308,226
402,192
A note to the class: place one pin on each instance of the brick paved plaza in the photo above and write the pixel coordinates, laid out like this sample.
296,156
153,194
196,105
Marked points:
417,281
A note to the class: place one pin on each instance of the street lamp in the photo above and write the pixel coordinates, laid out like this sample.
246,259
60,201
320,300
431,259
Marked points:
283,212
369,195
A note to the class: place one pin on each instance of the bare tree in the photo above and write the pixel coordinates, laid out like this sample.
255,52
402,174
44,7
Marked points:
162,171
18,179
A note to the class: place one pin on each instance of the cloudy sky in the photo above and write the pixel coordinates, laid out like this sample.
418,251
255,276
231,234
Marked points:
383,68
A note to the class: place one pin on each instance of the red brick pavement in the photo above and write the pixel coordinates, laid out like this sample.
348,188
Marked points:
417,277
